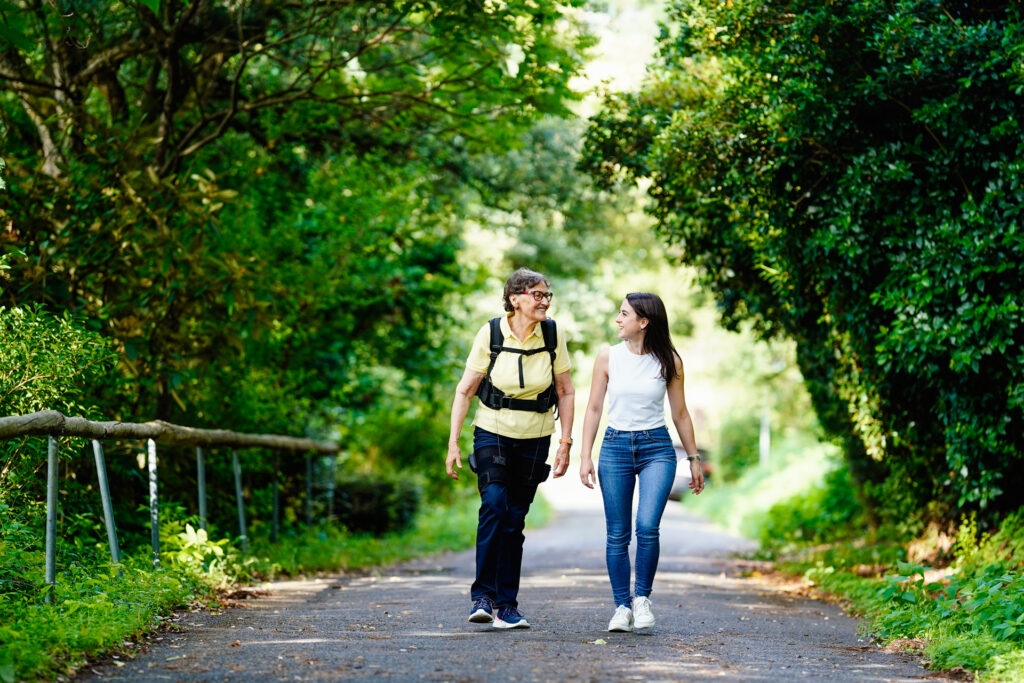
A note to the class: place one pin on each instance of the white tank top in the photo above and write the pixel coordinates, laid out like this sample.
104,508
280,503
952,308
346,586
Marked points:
636,390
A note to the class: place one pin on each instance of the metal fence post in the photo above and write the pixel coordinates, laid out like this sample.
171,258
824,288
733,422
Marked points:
108,509
201,480
154,502
309,490
330,489
51,517
277,502
238,496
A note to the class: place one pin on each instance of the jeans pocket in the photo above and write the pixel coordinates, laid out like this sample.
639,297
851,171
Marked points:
658,436
610,434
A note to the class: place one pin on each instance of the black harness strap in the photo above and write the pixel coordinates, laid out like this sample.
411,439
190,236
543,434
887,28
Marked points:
495,398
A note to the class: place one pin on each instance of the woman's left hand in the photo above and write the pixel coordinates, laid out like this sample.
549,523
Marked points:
696,476
561,460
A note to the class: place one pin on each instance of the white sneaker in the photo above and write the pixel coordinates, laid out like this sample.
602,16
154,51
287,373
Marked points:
622,620
642,610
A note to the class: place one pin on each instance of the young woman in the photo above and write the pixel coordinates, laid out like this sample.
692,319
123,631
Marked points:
520,374
636,375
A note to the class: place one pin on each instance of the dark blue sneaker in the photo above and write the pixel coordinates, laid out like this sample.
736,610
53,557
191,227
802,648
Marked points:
482,612
509,617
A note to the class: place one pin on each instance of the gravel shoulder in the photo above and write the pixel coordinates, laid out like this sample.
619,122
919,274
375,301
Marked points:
408,622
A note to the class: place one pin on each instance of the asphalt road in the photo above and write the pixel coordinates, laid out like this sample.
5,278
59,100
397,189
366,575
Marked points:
408,623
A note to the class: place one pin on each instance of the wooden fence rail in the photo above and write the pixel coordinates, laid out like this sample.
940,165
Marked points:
52,424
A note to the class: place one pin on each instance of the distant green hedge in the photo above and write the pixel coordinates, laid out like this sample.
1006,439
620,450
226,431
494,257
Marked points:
375,504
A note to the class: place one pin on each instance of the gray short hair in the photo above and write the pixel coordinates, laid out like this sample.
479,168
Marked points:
519,281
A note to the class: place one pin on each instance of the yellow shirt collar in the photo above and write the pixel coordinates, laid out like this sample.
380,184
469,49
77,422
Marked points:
506,328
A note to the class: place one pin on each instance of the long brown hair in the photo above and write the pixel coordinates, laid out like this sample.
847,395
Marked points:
657,338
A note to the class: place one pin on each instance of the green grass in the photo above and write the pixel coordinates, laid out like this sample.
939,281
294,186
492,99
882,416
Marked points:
540,513
328,548
973,620
96,612
92,613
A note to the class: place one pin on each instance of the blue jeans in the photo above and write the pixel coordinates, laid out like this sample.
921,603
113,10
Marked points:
508,472
646,455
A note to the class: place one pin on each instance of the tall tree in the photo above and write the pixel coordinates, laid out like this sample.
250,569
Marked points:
847,174
257,189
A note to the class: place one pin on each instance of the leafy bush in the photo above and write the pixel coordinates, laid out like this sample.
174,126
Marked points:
375,504
191,551
1003,548
824,513
20,554
46,362
738,446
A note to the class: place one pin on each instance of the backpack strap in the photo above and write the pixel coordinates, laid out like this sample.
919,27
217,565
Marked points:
550,333
494,398
497,341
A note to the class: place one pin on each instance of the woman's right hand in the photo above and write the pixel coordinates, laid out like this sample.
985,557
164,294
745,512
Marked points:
453,460
587,473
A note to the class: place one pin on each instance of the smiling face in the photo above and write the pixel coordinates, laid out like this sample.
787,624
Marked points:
631,326
526,304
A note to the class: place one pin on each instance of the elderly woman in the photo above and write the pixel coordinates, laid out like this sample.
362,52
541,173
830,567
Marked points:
519,369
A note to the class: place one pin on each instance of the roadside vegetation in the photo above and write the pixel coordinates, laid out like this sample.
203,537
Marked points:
956,595
99,609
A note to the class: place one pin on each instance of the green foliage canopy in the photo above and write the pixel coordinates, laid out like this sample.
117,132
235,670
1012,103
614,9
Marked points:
848,174
256,194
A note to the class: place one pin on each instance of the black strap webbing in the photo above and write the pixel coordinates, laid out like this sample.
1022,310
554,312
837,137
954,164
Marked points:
493,397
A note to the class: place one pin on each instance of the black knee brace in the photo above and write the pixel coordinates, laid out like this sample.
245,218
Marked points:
490,466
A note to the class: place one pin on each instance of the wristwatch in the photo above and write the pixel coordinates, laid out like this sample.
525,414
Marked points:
568,441
691,458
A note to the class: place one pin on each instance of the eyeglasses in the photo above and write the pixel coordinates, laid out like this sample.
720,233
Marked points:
539,295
